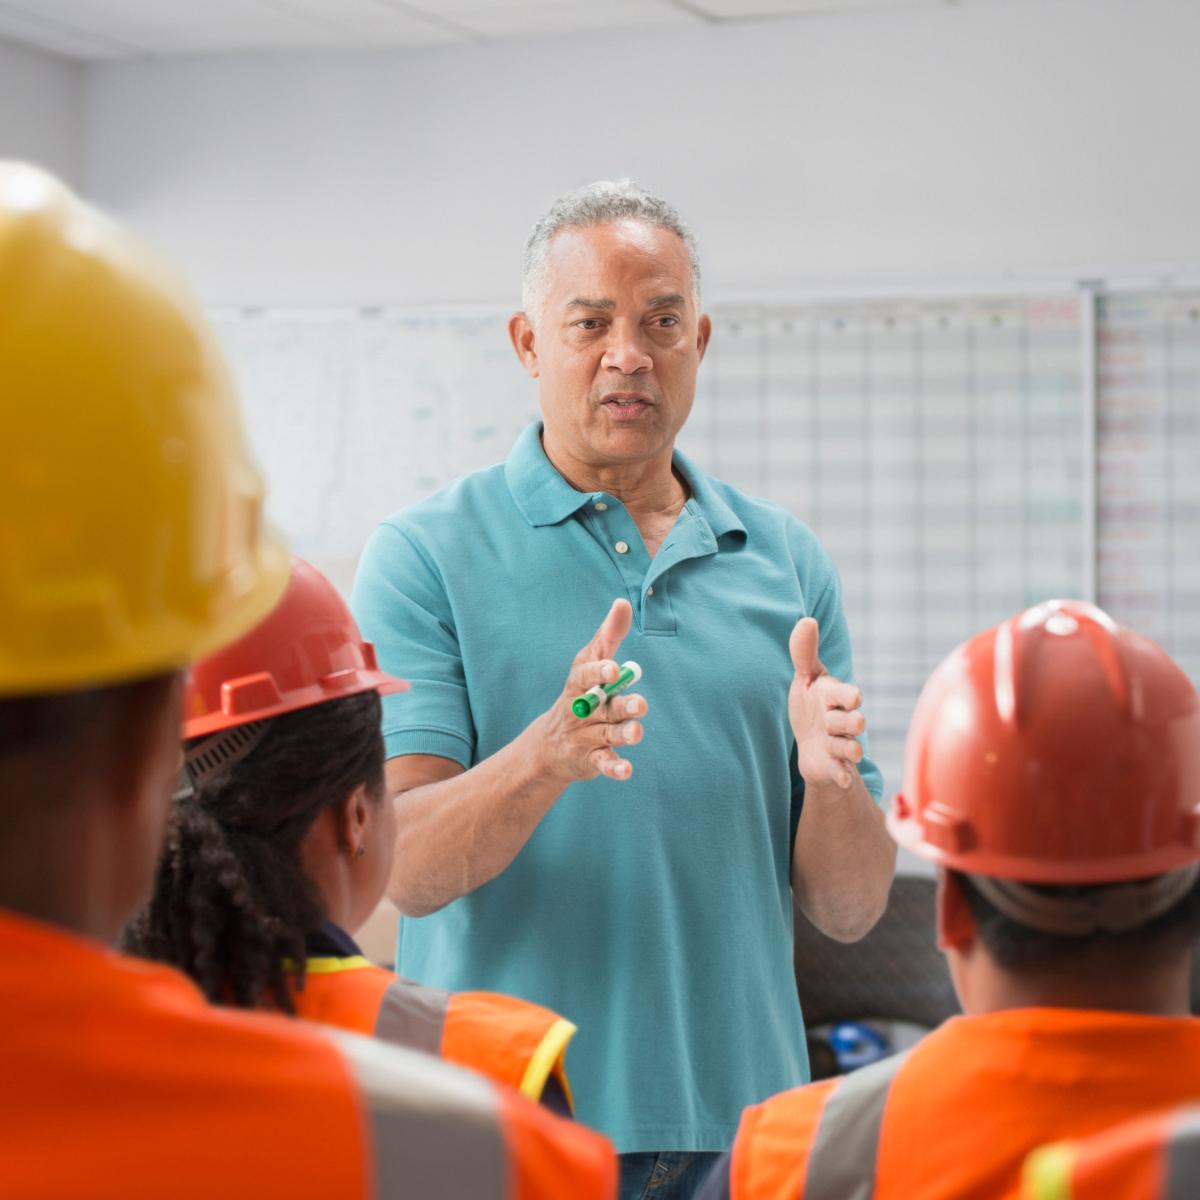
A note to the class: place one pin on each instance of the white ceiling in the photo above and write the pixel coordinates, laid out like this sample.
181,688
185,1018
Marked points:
92,30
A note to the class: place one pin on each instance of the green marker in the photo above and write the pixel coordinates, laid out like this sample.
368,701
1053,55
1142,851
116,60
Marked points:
585,705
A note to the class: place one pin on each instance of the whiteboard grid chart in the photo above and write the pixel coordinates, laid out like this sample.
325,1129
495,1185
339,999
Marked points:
937,446
933,446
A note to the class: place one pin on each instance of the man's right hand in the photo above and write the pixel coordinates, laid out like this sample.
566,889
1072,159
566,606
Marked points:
571,748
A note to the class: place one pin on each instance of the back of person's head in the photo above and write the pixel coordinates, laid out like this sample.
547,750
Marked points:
135,540
1053,771
282,733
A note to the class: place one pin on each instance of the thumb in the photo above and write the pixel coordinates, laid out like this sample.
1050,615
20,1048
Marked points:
612,632
802,645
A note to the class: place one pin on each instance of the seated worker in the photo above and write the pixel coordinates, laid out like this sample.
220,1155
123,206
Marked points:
132,542
1052,772
1156,1157
281,840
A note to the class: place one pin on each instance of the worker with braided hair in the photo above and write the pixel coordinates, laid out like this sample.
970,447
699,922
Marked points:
280,841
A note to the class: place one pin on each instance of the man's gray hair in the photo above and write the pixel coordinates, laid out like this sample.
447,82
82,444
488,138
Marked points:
599,203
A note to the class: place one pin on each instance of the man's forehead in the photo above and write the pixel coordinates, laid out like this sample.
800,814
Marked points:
625,251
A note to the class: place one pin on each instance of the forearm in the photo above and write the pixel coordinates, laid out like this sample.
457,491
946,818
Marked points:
843,861
455,834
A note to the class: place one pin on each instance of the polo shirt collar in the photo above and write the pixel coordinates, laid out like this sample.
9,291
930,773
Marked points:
712,505
546,498
541,493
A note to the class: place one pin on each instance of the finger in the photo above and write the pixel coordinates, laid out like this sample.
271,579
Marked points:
843,749
626,706
802,646
840,723
611,766
627,733
588,674
612,632
837,694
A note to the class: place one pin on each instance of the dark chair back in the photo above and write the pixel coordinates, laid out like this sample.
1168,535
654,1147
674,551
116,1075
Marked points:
896,973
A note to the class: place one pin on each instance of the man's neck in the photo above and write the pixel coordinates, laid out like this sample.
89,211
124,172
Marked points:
62,876
648,489
1164,992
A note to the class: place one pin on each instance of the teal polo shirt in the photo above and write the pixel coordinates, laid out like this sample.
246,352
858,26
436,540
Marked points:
655,913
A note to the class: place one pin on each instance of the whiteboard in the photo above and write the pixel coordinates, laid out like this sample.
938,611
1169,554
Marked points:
936,448
1148,451
940,447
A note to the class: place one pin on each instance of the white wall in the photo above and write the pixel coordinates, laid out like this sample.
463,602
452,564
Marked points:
1034,139
40,119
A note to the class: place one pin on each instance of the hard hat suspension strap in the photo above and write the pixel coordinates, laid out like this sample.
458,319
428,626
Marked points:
1116,909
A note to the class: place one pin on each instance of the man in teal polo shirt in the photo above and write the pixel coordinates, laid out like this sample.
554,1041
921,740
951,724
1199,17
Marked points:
650,905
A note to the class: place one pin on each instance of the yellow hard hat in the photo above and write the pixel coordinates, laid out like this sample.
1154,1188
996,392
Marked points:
131,530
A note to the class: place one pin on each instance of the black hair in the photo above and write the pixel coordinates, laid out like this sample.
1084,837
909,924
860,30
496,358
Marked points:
1020,949
232,904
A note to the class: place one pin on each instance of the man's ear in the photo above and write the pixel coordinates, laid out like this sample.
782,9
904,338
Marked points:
521,333
703,333
955,924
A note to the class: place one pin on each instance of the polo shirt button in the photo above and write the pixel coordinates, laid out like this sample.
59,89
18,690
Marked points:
650,590
622,547
601,506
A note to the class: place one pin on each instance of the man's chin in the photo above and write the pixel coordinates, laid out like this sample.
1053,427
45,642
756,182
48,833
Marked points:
631,442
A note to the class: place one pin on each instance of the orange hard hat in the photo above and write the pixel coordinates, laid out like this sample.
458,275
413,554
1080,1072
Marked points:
306,651
1056,748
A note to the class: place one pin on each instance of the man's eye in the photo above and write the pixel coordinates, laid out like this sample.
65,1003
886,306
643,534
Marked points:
666,322
588,323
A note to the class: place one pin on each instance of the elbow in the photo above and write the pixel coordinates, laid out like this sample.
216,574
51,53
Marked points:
416,888
845,918
410,902
851,927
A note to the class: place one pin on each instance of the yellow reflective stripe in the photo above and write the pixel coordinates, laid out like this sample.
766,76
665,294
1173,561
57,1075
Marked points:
1047,1172
331,966
546,1057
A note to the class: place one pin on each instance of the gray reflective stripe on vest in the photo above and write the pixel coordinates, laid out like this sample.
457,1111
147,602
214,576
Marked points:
1183,1157
841,1162
413,1015
435,1129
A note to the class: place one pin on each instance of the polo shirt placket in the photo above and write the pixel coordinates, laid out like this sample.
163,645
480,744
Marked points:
647,580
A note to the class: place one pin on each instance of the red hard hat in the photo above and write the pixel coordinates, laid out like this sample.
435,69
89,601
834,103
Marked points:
306,651
1057,748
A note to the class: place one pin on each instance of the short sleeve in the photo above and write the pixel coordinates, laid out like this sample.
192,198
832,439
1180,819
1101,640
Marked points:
400,603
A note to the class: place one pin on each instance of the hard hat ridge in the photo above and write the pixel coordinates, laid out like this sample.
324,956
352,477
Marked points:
308,650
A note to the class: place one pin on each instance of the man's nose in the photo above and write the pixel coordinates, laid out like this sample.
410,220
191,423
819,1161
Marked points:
627,352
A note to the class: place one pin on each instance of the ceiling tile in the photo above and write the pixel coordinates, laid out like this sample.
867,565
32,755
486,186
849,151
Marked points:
531,20
373,22
91,29
749,9
34,26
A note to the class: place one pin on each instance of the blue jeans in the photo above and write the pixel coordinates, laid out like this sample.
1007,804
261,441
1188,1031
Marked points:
664,1174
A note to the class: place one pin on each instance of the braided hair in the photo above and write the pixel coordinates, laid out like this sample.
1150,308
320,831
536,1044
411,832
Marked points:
232,904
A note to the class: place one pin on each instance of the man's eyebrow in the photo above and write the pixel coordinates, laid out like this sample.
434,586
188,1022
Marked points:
672,298
584,302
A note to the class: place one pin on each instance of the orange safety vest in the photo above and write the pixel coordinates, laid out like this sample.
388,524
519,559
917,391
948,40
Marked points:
958,1114
120,1081
1153,1158
509,1040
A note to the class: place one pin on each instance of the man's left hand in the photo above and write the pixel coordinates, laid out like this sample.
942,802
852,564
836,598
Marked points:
824,713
